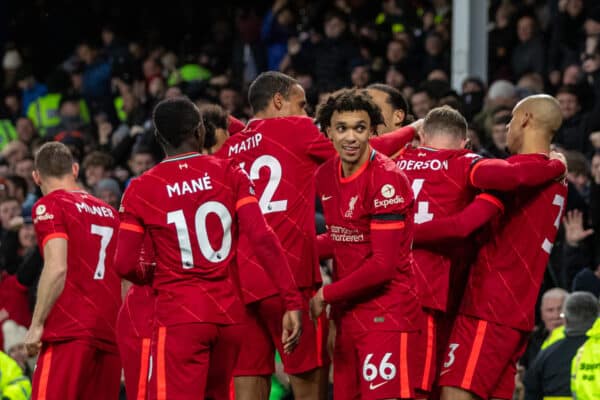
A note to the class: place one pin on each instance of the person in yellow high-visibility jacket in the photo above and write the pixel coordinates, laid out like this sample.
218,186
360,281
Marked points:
14,385
585,369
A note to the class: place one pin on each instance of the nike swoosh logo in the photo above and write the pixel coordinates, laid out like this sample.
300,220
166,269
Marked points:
325,198
373,387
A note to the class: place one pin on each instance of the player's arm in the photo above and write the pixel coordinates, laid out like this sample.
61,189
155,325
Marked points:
462,224
234,125
51,285
324,246
496,174
391,143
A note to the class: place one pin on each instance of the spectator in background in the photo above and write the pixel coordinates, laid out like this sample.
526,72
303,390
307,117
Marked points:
529,54
497,147
397,56
108,190
26,131
501,93
585,374
592,22
30,88
360,75
96,166
550,374
436,55
96,77
232,101
141,160
422,101
501,43
278,26
588,278
331,58
567,38
550,310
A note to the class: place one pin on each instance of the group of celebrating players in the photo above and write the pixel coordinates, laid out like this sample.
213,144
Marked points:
438,255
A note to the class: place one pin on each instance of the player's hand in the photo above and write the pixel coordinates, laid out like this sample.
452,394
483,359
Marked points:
555,155
292,330
417,125
317,304
33,339
574,232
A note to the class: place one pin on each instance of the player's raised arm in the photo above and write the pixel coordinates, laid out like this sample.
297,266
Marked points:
391,143
460,225
51,285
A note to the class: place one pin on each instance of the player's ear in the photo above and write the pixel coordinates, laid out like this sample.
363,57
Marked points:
75,170
399,117
526,119
36,177
278,101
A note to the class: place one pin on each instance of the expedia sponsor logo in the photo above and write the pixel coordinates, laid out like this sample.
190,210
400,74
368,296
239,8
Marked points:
388,202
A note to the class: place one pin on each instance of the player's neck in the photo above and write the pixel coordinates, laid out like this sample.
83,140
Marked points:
54,184
350,168
535,144
265,114
183,149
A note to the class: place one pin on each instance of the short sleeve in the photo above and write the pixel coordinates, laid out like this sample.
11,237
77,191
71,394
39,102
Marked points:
318,147
48,221
242,187
131,219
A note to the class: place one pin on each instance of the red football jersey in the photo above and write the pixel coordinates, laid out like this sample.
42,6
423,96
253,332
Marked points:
351,205
440,182
187,204
505,279
88,306
281,156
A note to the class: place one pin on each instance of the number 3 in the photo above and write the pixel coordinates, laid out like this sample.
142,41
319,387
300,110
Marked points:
451,358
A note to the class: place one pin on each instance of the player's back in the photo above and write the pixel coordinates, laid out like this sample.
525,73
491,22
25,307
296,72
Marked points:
505,280
281,156
187,205
91,298
440,183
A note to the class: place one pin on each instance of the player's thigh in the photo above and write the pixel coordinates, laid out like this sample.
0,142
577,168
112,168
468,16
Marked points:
61,370
478,354
346,367
181,357
105,376
135,357
223,359
506,384
257,353
311,352
425,355
390,364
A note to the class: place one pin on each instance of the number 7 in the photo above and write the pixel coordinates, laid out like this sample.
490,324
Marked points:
105,233
560,202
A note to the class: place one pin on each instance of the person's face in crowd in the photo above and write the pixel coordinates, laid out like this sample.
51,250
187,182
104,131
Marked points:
15,191
550,310
421,104
27,236
396,52
433,45
579,180
295,104
107,36
471,87
95,173
499,136
596,168
173,92
360,76
141,162
572,75
12,103
393,118
86,54
130,102
25,129
305,80
502,16
591,27
24,168
8,211
70,109
437,75
150,68
394,78
15,151
350,132
525,29
285,17
229,99
109,197
334,28
574,7
569,105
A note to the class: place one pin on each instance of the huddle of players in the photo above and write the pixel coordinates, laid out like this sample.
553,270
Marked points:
200,237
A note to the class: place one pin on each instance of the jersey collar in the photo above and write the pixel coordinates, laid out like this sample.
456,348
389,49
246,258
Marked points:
356,173
182,156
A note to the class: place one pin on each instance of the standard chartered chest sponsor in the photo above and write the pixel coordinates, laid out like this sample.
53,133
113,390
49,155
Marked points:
343,234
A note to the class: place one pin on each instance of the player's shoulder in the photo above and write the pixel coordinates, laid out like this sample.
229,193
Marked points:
381,164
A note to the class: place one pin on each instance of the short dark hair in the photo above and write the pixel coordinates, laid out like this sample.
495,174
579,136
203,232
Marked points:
53,159
348,100
265,86
98,159
213,117
445,120
176,120
395,98
569,89
501,120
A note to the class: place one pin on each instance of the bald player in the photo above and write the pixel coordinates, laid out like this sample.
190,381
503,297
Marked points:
497,311
394,108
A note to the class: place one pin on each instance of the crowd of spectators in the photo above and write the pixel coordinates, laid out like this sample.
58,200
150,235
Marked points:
98,100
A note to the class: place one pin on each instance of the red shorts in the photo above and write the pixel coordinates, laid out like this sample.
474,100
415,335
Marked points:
482,357
376,365
429,346
192,361
134,350
76,369
262,335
